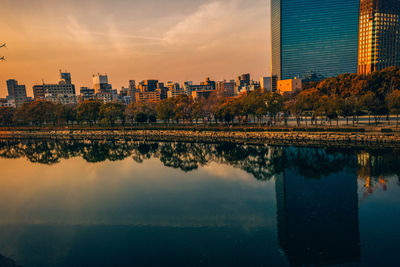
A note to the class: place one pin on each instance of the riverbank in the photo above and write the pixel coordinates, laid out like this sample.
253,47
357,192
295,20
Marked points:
315,138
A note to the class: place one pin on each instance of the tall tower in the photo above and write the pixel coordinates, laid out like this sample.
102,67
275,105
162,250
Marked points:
379,35
318,36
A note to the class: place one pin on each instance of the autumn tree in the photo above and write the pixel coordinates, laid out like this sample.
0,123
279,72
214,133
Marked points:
89,111
183,108
66,114
36,113
6,115
166,110
393,102
140,112
111,112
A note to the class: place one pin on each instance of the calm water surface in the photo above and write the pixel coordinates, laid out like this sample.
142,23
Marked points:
124,203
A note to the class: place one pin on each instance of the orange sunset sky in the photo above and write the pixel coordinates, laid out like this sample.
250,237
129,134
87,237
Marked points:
174,40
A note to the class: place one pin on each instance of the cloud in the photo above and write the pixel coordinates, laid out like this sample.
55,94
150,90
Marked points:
217,23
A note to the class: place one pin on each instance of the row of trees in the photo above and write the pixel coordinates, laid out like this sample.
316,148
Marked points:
349,96
181,109
346,96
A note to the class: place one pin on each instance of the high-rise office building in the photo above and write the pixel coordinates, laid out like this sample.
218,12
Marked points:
16,92
379,35
314,35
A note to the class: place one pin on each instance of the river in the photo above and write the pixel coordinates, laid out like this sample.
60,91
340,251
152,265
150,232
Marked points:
135,203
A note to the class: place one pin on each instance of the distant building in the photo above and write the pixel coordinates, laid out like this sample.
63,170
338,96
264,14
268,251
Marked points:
186,87
64,99
266,84
290,86
148,86
208,82
194,88
126,100
226,89
62,93
16,93
39,92
162,90
103,90
100,84
132,90
123,92
246,78
152,97
241,82
105,97
65,77
379,35
249,87
86,94
174,90
9,103
202,94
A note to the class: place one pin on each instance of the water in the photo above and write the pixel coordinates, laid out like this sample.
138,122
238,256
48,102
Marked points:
124,203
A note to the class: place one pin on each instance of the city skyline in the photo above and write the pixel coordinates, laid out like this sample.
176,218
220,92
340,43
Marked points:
178,42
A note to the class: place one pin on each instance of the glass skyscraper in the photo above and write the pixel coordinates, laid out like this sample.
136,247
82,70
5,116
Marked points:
379,42
314,36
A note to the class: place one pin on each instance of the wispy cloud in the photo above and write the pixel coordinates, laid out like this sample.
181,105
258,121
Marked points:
217,23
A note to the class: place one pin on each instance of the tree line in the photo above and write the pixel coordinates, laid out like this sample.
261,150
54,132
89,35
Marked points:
347,96
262,162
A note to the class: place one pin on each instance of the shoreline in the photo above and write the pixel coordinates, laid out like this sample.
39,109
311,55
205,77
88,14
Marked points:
283,138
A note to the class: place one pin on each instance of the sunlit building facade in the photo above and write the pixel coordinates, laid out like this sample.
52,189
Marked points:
314,36
379,35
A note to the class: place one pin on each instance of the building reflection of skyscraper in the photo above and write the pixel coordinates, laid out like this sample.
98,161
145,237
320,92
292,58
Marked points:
318,219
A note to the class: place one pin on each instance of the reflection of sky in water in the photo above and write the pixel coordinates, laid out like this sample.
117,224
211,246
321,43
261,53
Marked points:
117,213
127,193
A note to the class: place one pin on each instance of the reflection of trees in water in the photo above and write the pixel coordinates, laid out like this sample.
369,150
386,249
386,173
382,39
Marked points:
261,161
184,156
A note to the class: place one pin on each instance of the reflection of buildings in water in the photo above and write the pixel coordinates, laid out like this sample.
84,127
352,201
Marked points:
318,219
366,171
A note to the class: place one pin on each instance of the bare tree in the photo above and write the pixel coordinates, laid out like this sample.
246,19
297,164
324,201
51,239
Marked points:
2,58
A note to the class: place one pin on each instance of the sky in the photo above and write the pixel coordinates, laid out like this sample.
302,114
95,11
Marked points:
174,40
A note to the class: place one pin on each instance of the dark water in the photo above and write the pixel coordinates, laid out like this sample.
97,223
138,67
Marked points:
129,203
